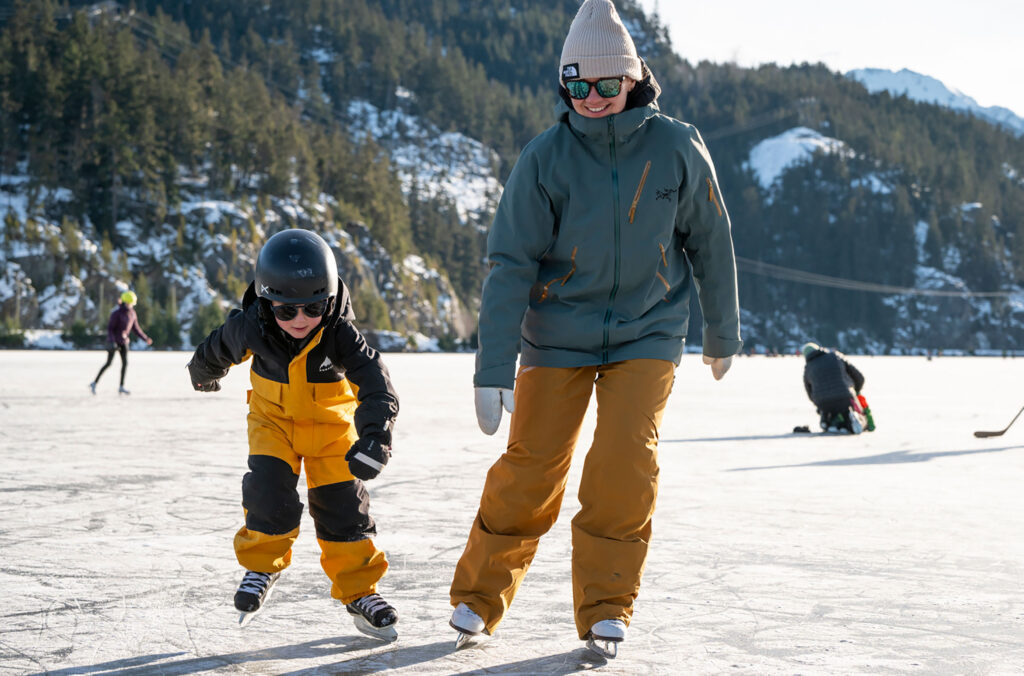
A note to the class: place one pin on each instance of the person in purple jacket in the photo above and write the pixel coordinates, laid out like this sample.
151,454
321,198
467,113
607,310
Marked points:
123,321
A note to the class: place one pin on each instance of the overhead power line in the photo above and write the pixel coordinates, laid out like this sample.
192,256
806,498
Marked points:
813,278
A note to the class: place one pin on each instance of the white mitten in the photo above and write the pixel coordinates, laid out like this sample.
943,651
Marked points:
719,365
489,401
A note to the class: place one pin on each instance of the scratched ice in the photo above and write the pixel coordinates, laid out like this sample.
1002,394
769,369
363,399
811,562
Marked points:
897,552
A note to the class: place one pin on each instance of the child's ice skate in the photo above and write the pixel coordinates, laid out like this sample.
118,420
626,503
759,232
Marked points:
604,638
374,616
470,626
253,594
122,390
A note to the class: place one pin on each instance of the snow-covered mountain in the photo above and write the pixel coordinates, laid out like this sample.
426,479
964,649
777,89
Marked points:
956,312
52,275
439,163
926,89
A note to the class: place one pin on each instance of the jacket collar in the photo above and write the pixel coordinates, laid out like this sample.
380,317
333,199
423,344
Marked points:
625,123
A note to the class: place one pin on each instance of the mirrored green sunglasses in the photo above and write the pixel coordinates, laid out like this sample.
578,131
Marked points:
608,87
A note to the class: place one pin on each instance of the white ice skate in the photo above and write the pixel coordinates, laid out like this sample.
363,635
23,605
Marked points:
604,638
470,626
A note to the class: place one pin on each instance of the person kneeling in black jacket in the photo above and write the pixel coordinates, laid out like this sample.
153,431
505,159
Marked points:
833,385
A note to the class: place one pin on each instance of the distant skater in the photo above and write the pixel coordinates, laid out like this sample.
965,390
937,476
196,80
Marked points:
322,399
123,322
834,386
609,221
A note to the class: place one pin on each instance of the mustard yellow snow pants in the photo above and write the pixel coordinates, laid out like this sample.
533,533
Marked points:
524,489
338,502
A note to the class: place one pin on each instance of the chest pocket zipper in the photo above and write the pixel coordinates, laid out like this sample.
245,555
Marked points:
639,189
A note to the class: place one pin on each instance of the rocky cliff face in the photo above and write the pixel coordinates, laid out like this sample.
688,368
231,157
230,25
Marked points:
52,275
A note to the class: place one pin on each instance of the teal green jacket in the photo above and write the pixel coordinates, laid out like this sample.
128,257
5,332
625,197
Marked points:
600,229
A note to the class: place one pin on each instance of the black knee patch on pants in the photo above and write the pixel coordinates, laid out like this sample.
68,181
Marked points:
341,512
269,496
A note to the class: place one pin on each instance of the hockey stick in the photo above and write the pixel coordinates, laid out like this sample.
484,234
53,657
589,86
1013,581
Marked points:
983,434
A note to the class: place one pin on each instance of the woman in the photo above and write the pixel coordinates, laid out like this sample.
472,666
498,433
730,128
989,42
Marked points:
123,322
602,220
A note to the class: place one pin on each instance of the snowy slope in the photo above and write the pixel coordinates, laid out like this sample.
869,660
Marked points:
48,295
925,89
440,163
770,158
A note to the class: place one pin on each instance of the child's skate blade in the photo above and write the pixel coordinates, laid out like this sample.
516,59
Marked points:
388,633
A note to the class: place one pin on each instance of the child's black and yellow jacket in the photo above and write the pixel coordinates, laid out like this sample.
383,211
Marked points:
330,389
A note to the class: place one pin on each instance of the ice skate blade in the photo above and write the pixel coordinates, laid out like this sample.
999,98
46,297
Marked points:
245,618
388,633
468,639
464,640
603,647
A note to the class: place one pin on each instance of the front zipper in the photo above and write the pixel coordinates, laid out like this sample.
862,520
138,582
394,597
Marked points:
615,211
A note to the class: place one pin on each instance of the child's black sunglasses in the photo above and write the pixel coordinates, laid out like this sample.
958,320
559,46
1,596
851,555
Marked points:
608,87
287,313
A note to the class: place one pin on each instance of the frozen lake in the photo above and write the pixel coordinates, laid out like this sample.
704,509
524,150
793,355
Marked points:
895,552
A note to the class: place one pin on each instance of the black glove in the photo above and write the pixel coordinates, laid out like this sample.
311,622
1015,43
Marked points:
367,458
200,381
208,386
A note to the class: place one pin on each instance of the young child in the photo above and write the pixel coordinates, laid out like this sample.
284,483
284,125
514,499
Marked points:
320,397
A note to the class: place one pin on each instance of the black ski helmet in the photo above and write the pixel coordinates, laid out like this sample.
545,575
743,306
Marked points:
296,266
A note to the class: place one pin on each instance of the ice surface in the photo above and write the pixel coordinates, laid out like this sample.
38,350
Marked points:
897,552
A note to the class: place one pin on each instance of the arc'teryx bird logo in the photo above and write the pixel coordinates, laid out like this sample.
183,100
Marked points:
664,193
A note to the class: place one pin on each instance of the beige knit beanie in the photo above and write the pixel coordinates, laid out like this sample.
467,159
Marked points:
598,45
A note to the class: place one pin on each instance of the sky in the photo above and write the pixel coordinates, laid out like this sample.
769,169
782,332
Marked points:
772,553
974,47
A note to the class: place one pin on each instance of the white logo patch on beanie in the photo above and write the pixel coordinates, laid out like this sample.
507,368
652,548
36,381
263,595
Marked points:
570,71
